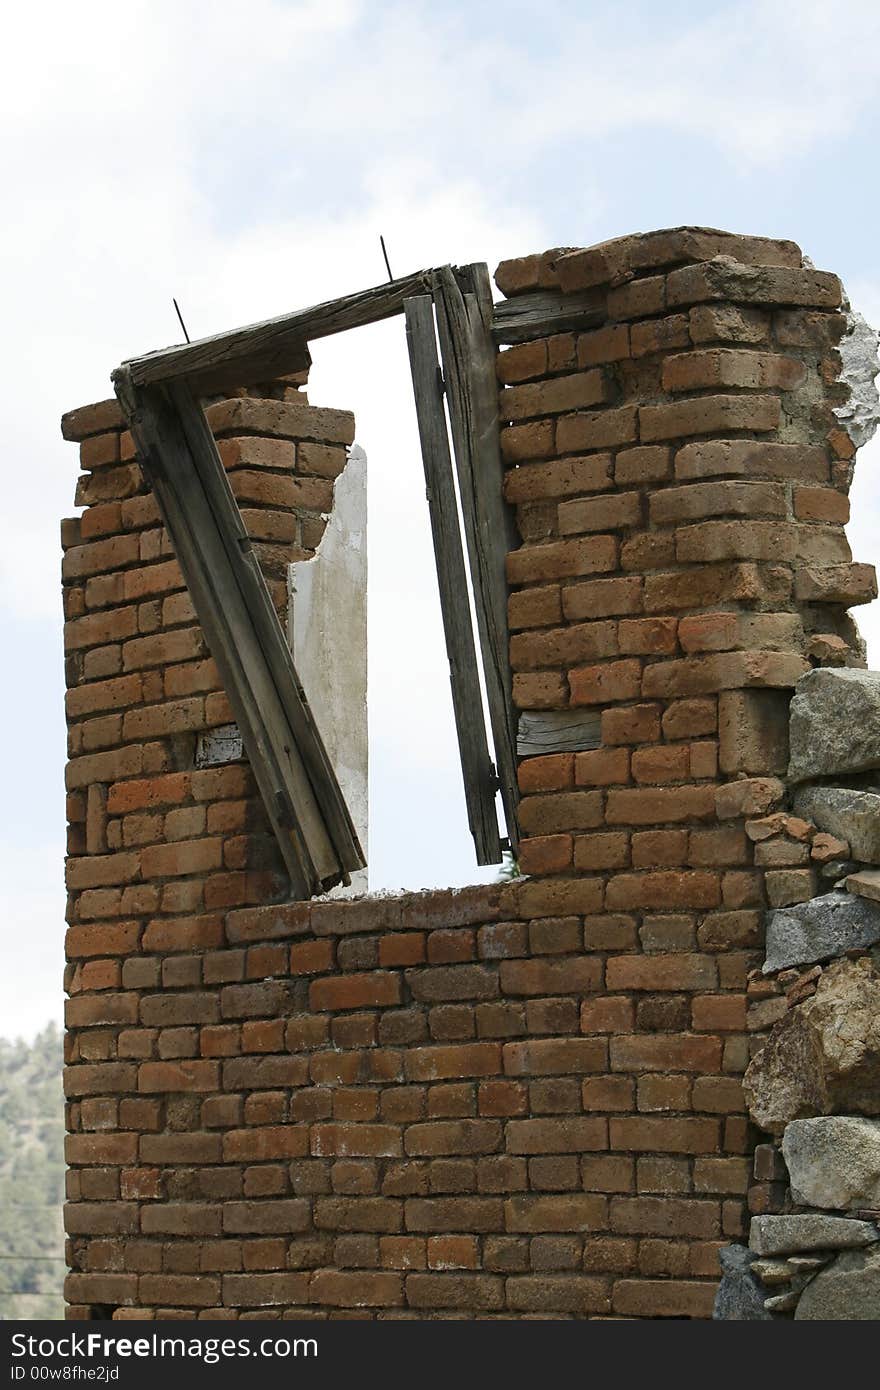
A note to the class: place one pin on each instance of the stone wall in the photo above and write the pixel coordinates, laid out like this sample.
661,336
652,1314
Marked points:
507,1102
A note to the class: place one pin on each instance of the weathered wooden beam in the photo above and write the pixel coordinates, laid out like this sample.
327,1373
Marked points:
478,772
464,310
535,315
261,351
557,731
299,789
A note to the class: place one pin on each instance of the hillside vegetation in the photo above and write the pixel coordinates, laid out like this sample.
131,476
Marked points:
31,1177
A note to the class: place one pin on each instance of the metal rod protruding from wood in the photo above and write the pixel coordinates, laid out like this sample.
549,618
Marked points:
385,254
180,317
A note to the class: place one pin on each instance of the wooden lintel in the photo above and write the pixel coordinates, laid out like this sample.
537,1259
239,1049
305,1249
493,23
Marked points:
535,315
260,351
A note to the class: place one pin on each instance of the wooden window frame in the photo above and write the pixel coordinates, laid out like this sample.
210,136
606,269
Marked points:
159,396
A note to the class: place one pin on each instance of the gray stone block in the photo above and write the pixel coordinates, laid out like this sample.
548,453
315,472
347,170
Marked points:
834,1161
846,1291
819,930
740,1298
787,1235
834,723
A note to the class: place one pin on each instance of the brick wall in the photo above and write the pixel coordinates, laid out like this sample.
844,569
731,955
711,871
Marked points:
511,1101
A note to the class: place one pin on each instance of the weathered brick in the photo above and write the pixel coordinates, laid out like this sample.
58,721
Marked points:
679,1052
694,371
562,559
555,1056
574,1213
553,396
601,598
708,415
615,512
611,681
723,279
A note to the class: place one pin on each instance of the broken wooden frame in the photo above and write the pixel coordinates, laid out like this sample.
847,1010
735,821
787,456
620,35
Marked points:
159,395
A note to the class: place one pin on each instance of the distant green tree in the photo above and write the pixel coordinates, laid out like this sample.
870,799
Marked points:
31,1177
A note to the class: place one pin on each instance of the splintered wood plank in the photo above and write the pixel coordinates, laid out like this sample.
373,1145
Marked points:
478,772
557,731
261,351
464,313
296,781
529,316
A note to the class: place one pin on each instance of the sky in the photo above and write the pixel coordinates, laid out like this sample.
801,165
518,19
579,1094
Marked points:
246,160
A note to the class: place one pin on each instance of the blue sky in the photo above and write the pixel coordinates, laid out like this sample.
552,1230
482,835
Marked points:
246,160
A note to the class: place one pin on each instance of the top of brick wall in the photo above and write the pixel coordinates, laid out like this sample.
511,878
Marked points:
575,268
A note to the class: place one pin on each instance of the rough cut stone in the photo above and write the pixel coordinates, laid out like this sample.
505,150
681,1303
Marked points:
865,884
786,1235
853,816
846,1291
820,929
823,1057
740,1298
834,723
834,1161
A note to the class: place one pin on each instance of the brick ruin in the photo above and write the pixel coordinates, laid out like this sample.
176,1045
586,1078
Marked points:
526,1099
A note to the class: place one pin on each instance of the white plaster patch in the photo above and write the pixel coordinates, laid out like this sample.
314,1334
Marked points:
858,354
327,623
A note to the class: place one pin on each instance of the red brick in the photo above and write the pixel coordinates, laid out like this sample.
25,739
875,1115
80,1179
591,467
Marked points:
601,598
602,429
563,646
522,362
609,344
660,805
552,772
660,335
647,636
636,724
178,1076
607,1093
546,854
555,1056
680,1052
613,680
655,1298
562,559
552,397
560,897
440,1063
568,976
601,767
533,482
542,690
655,849
595,852
453,1252
617,511
452,1137
712,367
378,989
721,279
821,504
581,1212
549,815
568,1134
661,764
540,607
